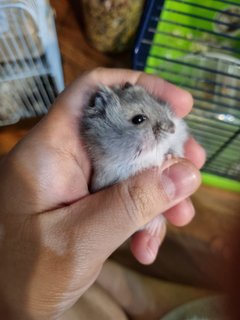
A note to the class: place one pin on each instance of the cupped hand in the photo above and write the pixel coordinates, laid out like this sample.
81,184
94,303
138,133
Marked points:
54,235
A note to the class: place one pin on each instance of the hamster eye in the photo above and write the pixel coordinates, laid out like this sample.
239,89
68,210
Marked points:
138,119
127,85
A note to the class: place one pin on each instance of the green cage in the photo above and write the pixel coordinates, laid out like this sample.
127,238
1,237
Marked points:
196,45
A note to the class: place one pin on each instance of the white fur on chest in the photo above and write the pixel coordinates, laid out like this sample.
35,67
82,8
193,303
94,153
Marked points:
110,171
173,143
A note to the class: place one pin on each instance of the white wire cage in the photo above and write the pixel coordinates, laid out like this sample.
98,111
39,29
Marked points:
30,63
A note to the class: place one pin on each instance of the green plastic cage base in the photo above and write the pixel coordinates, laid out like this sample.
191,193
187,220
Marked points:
220,182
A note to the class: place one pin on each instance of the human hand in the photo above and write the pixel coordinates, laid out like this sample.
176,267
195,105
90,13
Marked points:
54,236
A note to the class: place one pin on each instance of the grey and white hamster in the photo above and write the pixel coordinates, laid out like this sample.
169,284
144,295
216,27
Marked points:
126,130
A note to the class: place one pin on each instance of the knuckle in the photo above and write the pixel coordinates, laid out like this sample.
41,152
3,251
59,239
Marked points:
140,200
98,71
137,201
93,74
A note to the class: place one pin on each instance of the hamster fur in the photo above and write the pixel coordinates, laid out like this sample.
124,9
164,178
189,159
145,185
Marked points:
127,130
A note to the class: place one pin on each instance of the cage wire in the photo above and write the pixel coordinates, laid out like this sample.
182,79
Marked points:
30,66
197,46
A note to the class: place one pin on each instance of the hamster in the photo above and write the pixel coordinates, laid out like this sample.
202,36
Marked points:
127,130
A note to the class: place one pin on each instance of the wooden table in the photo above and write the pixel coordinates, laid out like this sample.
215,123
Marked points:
190,255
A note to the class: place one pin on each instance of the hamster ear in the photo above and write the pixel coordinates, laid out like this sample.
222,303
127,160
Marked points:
101,98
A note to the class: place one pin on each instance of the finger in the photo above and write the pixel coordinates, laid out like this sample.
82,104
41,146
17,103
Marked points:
66,111
81,89
194,152
181,214
114,214
145,246
180,100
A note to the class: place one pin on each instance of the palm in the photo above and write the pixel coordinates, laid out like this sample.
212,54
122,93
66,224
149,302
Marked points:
48,172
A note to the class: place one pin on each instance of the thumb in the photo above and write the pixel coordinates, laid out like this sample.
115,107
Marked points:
115,213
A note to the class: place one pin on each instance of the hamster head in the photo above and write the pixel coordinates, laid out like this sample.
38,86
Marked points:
126,121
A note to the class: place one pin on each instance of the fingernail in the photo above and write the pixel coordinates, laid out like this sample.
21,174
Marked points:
180,180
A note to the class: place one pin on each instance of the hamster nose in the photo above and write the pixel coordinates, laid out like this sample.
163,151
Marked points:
168,127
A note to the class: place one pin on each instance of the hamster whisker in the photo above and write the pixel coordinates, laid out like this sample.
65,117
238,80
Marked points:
138,152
